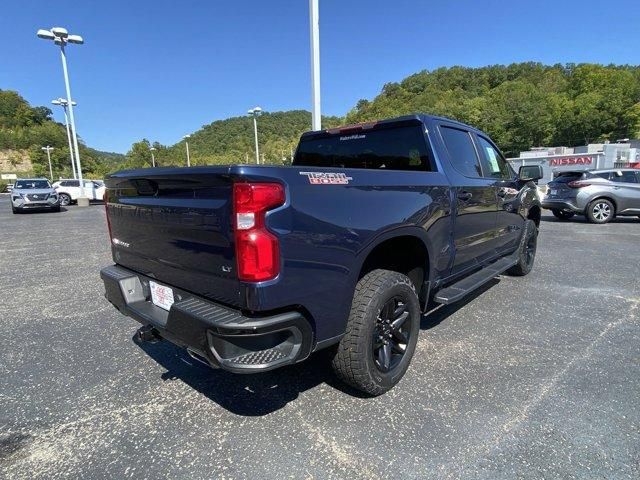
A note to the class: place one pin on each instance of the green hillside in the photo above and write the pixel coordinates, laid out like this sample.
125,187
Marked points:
231,141
24,130
521,105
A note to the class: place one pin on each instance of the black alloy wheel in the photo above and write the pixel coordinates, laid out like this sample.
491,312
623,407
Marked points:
391,334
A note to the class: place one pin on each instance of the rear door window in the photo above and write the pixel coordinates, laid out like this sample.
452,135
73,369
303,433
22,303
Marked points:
391,148
461,151
605,175
626,177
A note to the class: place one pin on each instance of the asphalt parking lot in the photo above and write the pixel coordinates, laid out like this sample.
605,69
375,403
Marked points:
535,377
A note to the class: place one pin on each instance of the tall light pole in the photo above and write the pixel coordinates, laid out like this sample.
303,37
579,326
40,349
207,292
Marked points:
255,113
48,150
314,34
61,37
153,157
63,103
186,144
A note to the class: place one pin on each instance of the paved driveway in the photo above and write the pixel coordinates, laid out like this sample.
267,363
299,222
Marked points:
535,377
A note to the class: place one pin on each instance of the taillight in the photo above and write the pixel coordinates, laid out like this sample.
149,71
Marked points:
257,249
578,184
106,211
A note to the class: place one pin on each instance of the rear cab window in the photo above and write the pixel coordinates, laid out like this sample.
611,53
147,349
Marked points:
392,147
567,177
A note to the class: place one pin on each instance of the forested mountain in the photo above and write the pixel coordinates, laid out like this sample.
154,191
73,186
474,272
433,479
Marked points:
231,141
24,130
520,105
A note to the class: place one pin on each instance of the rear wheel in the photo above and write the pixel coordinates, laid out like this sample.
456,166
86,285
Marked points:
64,199
561,214
527,250
381,334
600,211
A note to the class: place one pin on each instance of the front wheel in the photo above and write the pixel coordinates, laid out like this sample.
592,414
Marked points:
600,211
382,332
561,214
526,250
64,199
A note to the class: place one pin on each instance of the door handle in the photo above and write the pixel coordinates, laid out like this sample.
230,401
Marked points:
464,196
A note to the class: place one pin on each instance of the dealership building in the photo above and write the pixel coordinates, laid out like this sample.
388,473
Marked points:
554,160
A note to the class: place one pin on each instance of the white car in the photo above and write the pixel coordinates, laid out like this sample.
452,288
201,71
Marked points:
69,190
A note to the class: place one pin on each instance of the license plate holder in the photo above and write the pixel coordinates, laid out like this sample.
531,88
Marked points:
161,295
553,191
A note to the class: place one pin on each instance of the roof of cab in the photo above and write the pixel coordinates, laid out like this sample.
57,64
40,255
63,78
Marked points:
421,117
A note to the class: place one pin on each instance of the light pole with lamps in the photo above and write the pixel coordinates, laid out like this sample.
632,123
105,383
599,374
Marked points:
186,144
255,113
48,150
63,103
153,157
61,37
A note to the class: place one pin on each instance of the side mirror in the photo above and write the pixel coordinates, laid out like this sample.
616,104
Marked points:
529,173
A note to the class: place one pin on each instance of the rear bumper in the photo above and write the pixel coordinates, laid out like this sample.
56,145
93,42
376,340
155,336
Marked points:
222,336
561,204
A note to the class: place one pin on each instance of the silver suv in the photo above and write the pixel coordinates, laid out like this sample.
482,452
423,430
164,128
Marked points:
600,195
34,194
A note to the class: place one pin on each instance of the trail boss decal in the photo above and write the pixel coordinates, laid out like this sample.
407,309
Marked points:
323,178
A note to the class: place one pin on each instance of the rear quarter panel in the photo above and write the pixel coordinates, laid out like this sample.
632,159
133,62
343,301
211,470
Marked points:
327,230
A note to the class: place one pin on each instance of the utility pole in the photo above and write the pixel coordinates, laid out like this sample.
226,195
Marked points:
186,143
48,150
314,33
63,103
255,113
153,158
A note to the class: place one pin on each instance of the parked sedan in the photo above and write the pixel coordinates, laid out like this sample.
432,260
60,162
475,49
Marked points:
600,195
34,194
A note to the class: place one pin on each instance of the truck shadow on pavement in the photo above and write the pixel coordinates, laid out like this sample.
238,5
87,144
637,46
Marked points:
263,393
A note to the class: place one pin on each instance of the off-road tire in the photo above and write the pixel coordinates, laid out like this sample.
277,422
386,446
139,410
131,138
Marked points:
597,211
354,361
562,215
526,250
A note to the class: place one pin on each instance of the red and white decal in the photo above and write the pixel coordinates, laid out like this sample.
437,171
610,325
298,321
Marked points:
325,178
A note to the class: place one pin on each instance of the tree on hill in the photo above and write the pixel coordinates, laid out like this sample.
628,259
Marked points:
28,129
521,105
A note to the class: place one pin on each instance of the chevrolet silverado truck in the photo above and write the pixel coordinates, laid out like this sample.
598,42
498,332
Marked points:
251,268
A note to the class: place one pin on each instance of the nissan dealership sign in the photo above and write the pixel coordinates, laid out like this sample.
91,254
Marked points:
553,164
558,162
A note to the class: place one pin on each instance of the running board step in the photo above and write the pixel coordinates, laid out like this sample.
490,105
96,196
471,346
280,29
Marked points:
459,289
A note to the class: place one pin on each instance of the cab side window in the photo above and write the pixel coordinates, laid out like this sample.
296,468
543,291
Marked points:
493,163
461,151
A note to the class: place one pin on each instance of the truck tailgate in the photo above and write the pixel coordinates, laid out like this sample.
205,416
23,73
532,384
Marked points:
174,224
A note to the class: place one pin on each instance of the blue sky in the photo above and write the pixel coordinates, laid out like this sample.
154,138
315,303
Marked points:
160,69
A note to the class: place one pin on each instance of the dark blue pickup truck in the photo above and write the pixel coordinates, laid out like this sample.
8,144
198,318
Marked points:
254,267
